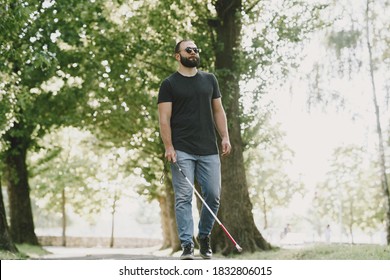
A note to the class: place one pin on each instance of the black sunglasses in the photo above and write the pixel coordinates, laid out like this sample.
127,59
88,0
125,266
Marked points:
189,50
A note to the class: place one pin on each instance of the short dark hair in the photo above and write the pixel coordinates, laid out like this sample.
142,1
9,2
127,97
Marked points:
177,47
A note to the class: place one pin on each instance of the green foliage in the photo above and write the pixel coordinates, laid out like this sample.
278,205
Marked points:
8,101
274,29
267,165
72,163
57,169
98,65
351,189
127,117
346,54
46,63
344,39
272,40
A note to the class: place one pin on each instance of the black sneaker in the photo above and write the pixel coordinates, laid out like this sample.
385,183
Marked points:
205,249
188,252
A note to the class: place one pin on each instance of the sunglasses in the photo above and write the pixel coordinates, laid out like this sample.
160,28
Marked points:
189,50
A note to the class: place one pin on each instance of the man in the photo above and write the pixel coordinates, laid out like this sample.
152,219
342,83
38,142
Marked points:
190,108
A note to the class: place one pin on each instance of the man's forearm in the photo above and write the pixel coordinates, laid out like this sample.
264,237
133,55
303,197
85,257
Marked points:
221,124
166,135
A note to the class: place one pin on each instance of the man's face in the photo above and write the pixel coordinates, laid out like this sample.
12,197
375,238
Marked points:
189,55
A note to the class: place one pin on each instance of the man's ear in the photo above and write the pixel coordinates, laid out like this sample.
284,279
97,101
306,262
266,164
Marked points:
177,56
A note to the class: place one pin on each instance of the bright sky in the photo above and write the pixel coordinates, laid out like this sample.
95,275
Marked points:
313,136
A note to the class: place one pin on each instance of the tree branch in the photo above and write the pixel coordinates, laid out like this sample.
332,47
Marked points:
251,7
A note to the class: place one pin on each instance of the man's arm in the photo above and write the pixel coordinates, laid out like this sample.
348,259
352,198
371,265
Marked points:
165,112
221,124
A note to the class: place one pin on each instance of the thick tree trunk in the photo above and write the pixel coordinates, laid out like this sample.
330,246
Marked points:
16,175
175,242
6,243
239,222
168,218
166,234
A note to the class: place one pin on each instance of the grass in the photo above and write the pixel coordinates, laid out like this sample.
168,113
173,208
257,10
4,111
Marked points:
26,251
323,252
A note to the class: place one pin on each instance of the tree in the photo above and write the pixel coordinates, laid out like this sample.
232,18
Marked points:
15,181
269,184
216,27
65,65
74,172
231,66
60,174
350,194
381,149
128,117
7,99
6,242
359,51
49,51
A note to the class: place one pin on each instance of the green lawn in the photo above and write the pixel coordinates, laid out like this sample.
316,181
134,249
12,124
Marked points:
323,252
25,252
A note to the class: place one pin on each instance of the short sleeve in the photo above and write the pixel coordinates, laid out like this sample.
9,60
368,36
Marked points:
165,92
216,91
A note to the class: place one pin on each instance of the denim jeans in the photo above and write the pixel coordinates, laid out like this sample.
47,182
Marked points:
207,171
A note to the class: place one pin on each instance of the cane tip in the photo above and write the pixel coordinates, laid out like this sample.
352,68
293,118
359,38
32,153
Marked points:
239,249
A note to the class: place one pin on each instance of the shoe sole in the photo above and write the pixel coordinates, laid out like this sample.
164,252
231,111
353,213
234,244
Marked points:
187,257
205,257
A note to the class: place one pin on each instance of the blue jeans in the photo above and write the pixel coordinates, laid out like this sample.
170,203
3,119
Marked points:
207,171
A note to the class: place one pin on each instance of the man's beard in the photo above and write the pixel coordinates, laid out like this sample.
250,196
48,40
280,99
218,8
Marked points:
190,63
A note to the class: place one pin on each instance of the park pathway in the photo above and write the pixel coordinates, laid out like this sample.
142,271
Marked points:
71,253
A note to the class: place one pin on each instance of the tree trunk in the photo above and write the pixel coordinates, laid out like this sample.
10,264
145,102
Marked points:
6,243
351,222
63,217
167,204
265,211
112,239
167,213
166,234
239,222
382,157
16,175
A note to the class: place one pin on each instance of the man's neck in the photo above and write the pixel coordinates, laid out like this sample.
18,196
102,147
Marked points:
188,72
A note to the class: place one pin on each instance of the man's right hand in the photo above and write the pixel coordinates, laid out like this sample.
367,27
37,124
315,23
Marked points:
170,154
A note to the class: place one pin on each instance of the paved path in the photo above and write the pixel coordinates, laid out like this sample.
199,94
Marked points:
150,253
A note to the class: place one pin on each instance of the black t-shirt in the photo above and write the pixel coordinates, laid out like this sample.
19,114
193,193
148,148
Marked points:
192,121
